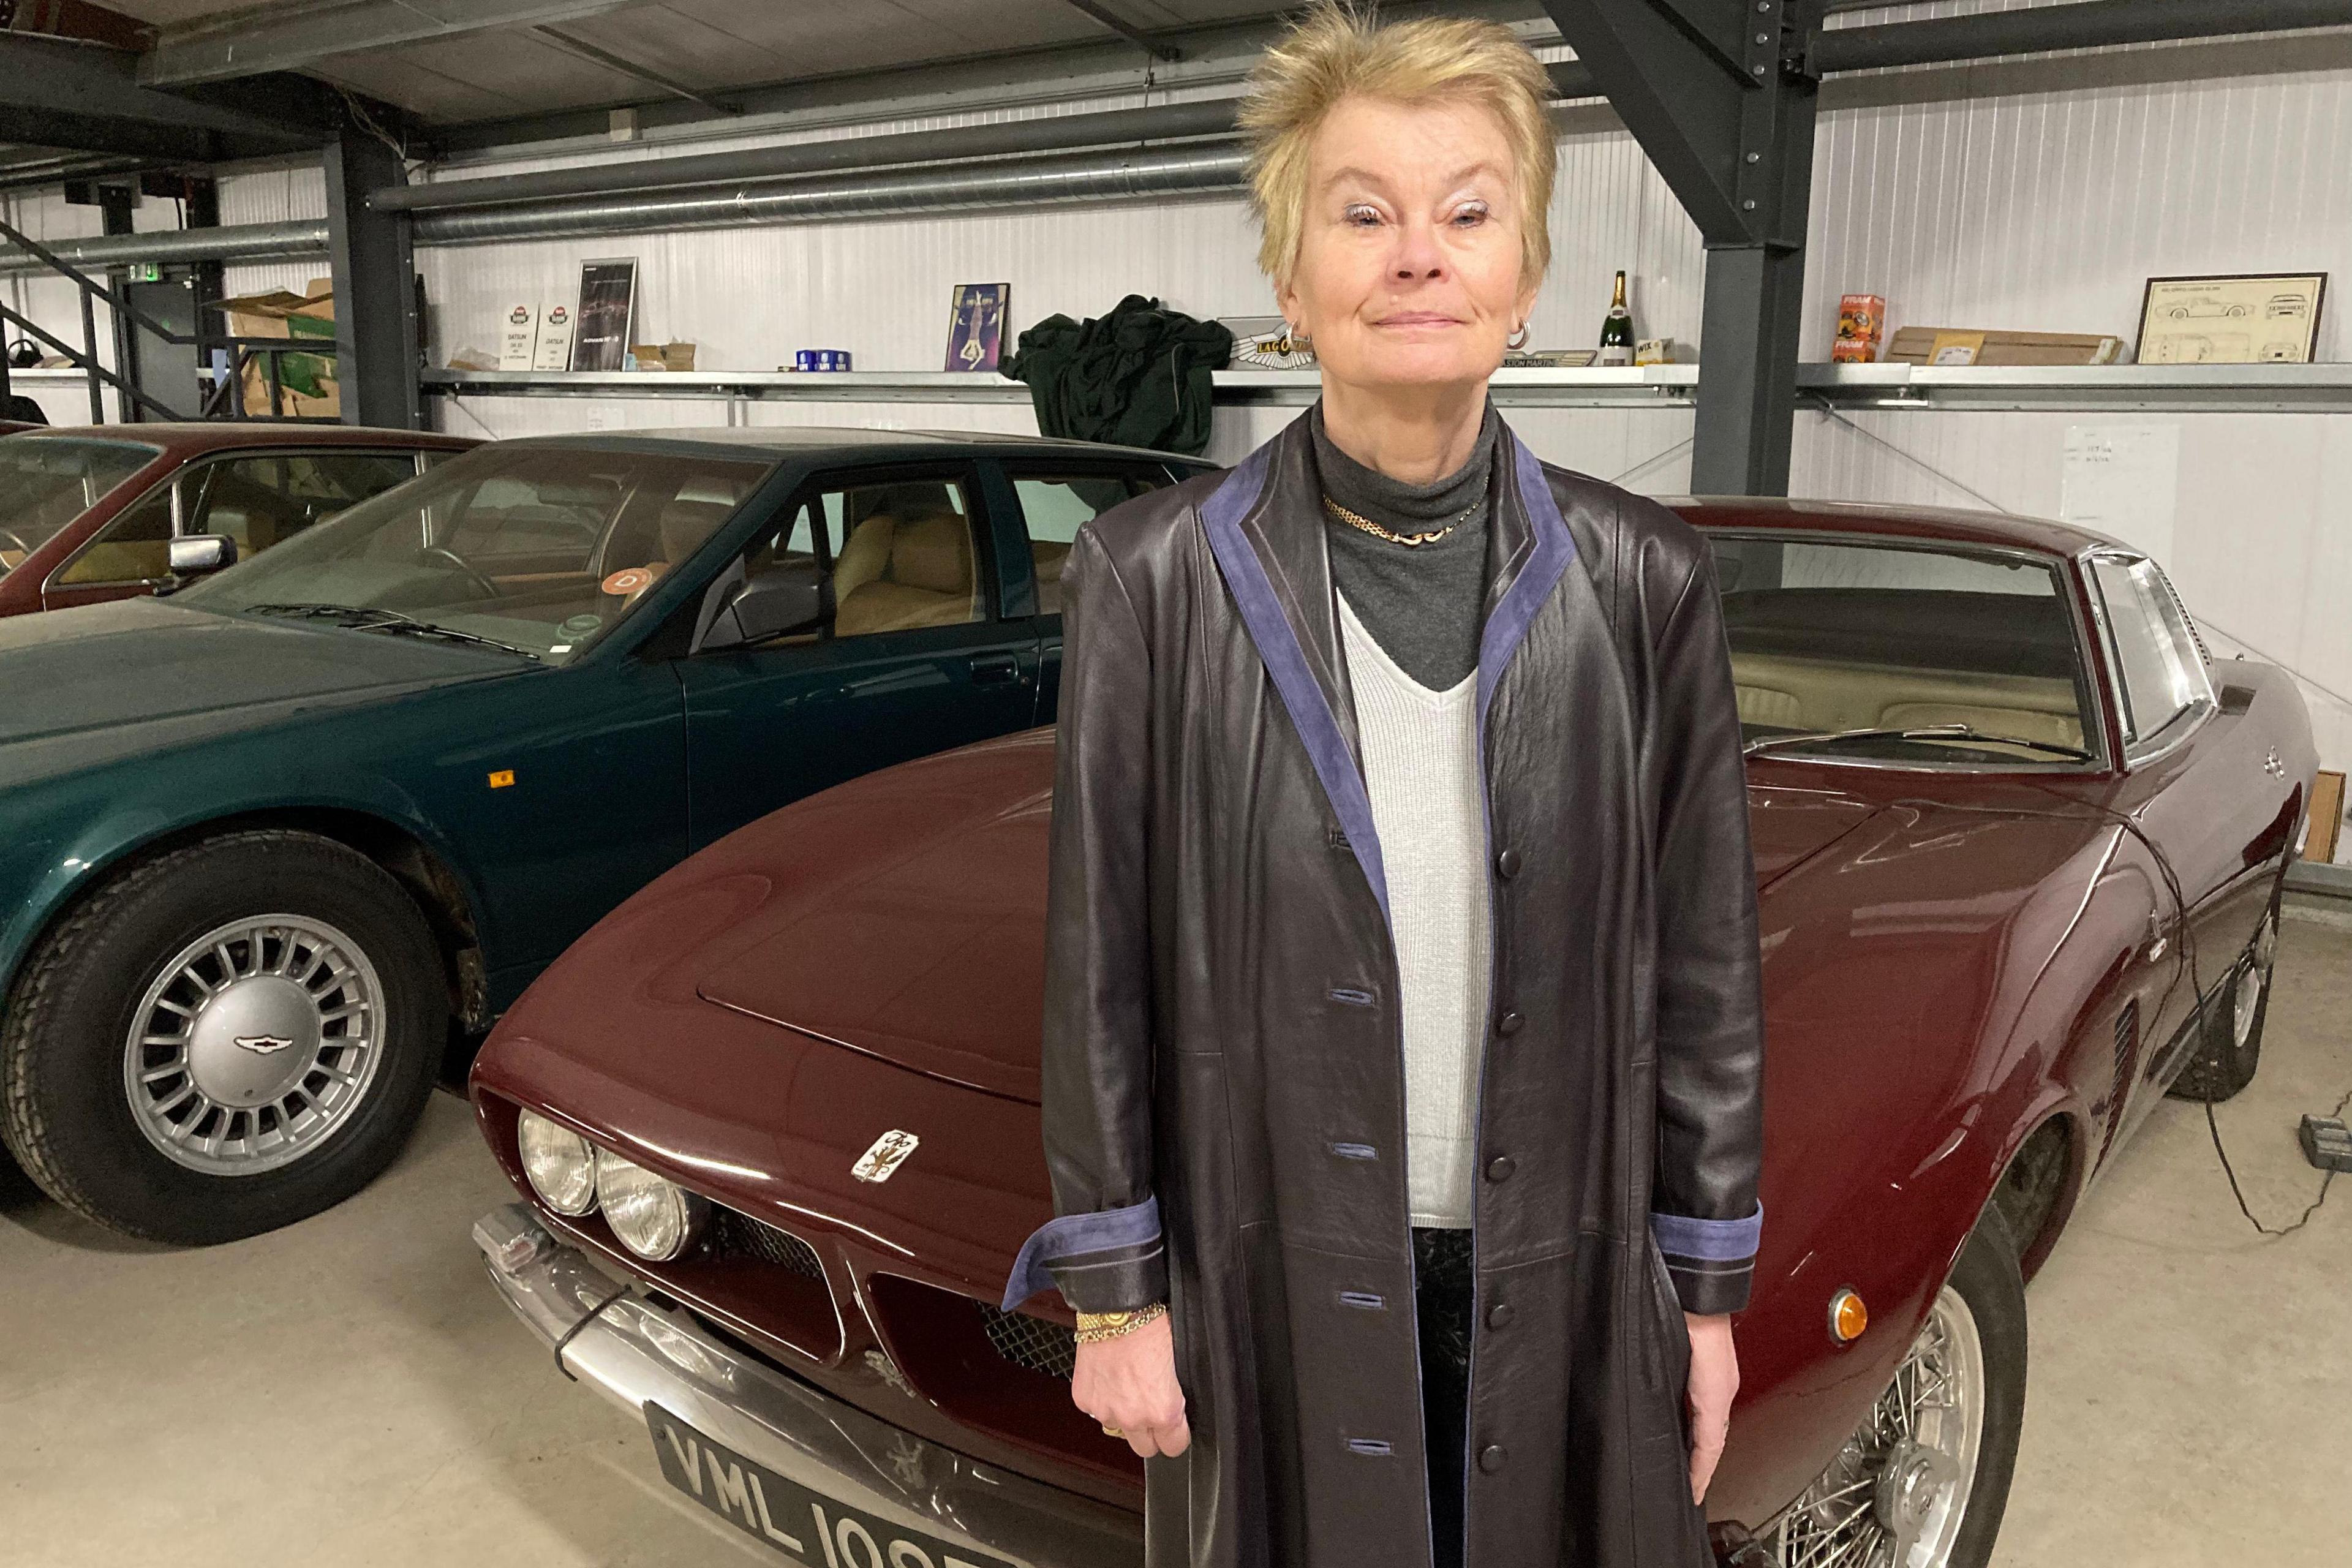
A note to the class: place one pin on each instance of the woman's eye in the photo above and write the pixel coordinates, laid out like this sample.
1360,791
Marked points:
1361,216
1471,216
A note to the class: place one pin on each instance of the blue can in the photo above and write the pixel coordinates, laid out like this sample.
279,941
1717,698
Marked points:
804,359
832,359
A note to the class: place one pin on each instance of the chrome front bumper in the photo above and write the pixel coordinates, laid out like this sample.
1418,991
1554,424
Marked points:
633,1352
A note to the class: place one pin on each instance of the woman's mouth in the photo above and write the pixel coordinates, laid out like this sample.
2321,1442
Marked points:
1418,318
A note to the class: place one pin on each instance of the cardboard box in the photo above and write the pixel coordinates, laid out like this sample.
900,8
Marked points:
663,356
2326,817
306,382
1862,320
1916,346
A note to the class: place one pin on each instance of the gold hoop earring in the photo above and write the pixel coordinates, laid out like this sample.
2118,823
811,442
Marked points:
1518,338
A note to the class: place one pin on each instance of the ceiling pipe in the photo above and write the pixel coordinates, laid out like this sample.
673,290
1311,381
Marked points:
1052,134
1199,167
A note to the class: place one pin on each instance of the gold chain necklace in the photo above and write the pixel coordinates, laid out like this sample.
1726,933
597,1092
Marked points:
1359,521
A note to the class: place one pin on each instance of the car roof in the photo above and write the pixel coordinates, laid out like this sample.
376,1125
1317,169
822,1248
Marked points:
1951,524
853,443
186,437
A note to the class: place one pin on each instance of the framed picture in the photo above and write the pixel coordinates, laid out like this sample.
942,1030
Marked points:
2253,317
976,325
608,303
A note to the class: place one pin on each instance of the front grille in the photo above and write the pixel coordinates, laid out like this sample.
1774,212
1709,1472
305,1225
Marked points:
735,1235
1031,1342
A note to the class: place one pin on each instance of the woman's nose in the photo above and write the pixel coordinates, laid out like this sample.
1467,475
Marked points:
1418,254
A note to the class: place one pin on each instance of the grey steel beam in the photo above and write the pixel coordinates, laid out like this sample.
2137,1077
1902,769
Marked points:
2082,25
295,37
87,98
1721,95
377,334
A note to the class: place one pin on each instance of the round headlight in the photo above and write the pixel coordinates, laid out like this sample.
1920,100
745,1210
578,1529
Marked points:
655,1219
559,1164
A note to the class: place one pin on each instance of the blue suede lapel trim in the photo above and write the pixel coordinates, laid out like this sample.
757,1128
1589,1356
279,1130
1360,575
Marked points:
1076,1234
1285,662
1506,625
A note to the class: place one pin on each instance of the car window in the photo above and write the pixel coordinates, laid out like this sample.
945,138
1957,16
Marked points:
265,499
1053,506
136,547
46,482
2155,655
1977,646
545,548
902,553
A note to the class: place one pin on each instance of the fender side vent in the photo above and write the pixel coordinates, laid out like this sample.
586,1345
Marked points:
2126,1056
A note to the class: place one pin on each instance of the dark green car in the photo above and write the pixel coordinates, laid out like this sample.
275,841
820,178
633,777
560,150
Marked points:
270,846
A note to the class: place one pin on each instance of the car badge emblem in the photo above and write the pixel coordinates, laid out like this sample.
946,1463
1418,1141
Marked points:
887,1153
263,1045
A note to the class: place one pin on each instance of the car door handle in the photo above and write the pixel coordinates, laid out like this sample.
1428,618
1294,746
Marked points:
995,670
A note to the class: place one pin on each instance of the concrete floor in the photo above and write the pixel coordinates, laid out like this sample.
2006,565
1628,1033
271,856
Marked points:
349,1392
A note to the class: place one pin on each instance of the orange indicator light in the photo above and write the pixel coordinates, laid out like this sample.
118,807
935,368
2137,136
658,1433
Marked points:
1848,1316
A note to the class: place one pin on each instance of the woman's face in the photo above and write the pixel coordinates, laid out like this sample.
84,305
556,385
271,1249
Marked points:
1409,259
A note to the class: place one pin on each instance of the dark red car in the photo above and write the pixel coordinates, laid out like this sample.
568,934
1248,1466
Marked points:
2019,845
87,513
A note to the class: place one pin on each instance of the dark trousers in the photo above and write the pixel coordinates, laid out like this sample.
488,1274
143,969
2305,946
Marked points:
1443,1303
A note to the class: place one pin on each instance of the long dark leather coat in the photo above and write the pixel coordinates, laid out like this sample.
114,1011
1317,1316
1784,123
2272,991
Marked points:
1224,1077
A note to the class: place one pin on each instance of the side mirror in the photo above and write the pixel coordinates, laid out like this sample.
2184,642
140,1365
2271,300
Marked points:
198,553
778,602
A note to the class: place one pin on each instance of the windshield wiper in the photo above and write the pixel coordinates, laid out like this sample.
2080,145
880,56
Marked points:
361,619
1916,732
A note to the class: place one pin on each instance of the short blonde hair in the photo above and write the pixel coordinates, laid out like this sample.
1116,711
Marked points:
1336,50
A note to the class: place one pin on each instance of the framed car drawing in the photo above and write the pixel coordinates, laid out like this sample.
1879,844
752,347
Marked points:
2254,317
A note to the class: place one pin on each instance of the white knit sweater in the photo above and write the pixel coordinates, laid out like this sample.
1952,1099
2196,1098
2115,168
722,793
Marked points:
1420,769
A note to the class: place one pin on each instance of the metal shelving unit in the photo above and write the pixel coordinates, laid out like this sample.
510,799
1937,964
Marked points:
2180,389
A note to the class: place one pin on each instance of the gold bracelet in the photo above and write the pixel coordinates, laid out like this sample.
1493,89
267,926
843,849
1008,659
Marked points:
1096,1327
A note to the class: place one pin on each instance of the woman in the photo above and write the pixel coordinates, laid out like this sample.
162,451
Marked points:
1403,1041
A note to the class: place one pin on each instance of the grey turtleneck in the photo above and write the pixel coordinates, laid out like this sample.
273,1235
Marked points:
1423,603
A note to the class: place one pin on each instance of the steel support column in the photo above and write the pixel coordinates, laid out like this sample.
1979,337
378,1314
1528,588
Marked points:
377,333
1720,94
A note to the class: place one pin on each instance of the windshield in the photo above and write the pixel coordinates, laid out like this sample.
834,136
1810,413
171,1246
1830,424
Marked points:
539,549
46,482
1891,652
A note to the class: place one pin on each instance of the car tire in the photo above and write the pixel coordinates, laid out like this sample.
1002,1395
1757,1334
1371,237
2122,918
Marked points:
293,984
1974,1346
2230,1036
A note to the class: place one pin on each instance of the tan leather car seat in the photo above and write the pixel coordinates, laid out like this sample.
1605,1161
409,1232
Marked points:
682,527
925,579
1047,559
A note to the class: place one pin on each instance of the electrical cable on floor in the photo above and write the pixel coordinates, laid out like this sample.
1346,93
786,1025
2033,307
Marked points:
2325,1181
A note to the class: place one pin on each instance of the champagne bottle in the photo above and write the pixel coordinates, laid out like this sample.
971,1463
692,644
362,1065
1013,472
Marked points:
1617,330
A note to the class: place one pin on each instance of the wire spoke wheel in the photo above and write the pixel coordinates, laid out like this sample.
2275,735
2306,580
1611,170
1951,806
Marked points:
1897,1493
254,1044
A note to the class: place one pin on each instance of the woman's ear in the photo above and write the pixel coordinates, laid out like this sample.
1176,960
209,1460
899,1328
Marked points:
1287,300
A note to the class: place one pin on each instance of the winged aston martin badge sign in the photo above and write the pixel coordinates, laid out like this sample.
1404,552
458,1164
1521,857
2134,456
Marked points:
263,1045
888,1151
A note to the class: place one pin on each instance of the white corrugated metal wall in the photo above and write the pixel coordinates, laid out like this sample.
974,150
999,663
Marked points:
2034,194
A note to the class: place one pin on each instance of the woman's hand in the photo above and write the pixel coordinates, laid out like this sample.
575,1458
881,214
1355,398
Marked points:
1714,1379
1129,1382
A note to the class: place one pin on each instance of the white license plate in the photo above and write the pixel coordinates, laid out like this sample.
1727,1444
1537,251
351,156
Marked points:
804,1526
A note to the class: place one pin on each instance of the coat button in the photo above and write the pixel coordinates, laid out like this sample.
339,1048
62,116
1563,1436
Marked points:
1508,1024
1507,862
1491,1458
1499,1315
1499,1168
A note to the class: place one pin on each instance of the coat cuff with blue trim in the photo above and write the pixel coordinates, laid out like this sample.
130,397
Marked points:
1112,1260
1710,1261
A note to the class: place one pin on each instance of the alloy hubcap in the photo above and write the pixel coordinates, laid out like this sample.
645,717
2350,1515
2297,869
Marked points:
1897,1494
254,1044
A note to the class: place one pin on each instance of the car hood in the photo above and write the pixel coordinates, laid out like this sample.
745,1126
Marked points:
137,661
902,914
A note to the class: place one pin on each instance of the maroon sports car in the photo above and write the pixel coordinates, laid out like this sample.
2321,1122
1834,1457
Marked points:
87,513
2019,845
